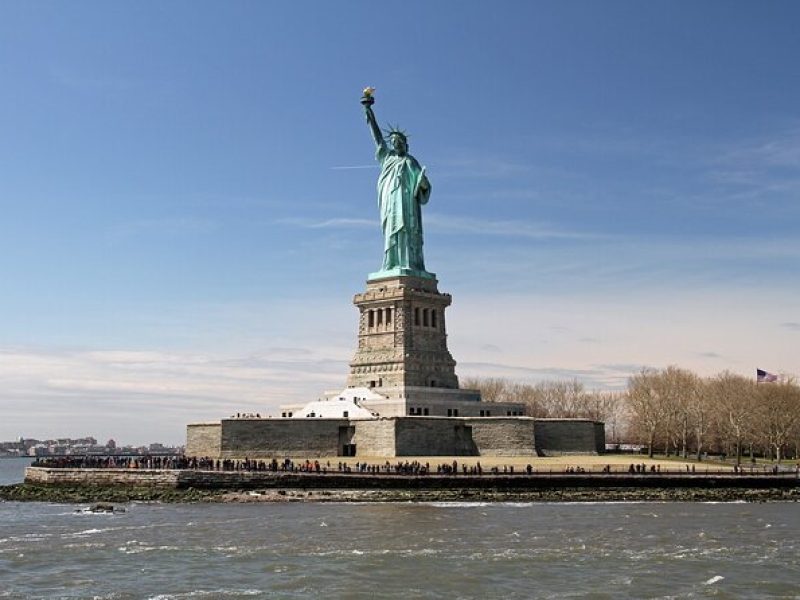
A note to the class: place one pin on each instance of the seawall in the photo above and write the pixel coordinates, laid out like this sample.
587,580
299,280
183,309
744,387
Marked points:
236,480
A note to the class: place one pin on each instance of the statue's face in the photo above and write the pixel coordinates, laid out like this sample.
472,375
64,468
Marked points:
399,144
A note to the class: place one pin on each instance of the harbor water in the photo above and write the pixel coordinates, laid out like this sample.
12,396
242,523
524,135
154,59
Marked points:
309,550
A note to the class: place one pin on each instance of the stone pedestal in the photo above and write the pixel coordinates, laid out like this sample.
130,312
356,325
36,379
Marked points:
402,338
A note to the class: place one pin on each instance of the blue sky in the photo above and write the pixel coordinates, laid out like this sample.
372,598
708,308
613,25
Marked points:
188,196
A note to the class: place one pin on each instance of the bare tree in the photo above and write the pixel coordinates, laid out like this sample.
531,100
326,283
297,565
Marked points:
565,399
733,397
647,405
556,399
679,389
672,406
612,409
492,389
701,415
777,415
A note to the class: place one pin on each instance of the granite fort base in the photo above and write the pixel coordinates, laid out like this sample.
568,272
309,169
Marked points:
394,437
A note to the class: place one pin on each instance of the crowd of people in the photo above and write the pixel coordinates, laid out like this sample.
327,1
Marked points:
287,465
89,461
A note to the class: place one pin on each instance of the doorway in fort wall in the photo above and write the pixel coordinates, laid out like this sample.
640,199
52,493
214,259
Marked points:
346,445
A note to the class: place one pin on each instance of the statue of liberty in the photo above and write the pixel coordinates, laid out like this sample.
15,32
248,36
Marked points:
402,188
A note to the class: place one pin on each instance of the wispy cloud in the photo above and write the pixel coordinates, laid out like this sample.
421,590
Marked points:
336,223
486,167
539,372
763,170
165,226
756,170
170,389
690,326
777,149
621,261
449,224
791,326
595,377
456,225
768,247
630,368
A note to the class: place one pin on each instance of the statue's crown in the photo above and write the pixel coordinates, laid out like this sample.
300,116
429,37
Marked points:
394,130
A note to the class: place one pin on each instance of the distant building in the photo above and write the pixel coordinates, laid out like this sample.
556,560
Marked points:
79,446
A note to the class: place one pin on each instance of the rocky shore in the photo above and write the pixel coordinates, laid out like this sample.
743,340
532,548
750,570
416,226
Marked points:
31,492
27,492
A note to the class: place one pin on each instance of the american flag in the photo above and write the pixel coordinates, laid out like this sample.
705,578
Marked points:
763,376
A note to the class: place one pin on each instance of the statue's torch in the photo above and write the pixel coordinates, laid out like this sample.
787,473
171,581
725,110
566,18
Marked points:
367,99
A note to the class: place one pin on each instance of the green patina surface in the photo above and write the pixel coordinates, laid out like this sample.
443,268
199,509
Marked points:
403,187
400,271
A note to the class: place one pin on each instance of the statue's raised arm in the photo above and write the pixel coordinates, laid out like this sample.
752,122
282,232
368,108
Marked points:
367,100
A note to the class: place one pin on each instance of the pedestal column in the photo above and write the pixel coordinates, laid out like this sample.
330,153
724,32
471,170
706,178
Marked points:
402,335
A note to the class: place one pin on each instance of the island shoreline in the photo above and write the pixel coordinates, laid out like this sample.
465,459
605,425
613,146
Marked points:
81,485
81,494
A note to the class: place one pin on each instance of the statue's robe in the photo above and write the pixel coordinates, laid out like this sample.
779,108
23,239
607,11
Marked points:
402,188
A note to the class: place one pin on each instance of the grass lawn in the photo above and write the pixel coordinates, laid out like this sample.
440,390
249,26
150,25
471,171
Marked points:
619,463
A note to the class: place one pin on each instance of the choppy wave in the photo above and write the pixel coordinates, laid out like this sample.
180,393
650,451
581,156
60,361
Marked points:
434,550
220,593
